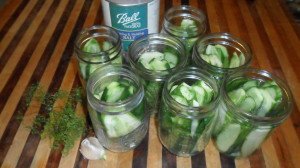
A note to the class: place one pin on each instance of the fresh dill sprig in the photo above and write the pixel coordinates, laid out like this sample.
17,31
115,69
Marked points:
61,124
64,127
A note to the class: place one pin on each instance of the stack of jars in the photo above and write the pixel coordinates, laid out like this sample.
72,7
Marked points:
198,86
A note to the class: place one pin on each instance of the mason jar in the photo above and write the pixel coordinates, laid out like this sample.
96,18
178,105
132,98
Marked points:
108,50
253,103
154,79
120,123
186,129
186,23
221,54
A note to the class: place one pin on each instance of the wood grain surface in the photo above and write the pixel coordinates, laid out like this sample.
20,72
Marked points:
36,46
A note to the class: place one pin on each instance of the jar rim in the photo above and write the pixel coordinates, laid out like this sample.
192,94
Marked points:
260,120
190,111
115,108
162,74
223,36
116,48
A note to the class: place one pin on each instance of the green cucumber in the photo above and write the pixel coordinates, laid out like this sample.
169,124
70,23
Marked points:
157,61
253,141
227,137
92,46
235,61
256,94
121,124
218,55
248,104
237,96
267,104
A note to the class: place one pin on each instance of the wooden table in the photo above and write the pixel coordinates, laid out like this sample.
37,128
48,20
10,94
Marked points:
36,45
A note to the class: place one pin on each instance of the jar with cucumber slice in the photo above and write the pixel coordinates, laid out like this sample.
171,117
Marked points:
188,111
221,54
154,57
95,47
186,23
253,103
116,107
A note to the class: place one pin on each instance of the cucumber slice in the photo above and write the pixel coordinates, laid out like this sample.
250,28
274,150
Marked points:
211,50
171,58
275,92
206,58
256,94
235,61
173,88
242,59
92,46
180,100
227,137
208,90
200,95
159,65
146,57
253,141
119,125
106,45
267,104
186,23
223,54
249,84
248,104
116,91
83,69
215,61
194,126
237,96
186,92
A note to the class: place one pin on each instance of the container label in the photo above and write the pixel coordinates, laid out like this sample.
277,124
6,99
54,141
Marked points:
131,21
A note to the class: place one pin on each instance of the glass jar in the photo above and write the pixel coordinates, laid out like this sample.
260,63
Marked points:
185,130
219,66
253,103
89,61
132,18
186,23
154,80
122,124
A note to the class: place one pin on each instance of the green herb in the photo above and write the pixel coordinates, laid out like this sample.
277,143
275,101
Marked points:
59,123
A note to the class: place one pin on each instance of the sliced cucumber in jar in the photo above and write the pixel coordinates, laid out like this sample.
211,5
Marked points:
120,124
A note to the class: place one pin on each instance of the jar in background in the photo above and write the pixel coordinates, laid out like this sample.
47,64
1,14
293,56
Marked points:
131,18
220,54
253,103
120,123
185,129
154,79
95,47
186,23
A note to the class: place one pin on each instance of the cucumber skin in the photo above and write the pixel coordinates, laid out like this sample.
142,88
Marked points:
246,128
86,69
97,117
175,132
153,91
